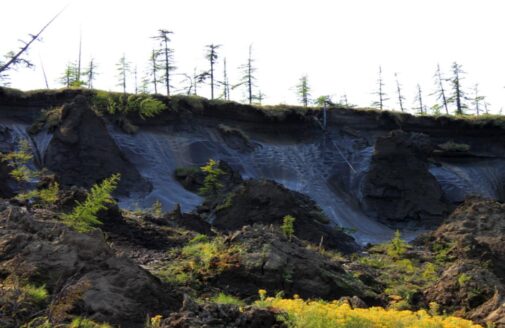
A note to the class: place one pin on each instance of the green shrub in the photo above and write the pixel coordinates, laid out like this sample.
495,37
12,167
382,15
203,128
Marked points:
18,162
455,147
397,246
463,279
37,294
223,298
211,182
86,323
48,196
157,209
83,217
227,203
288,226
144,105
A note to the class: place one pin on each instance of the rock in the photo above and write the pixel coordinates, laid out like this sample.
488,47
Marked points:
83,153
267,202
80,272
398,186
268,260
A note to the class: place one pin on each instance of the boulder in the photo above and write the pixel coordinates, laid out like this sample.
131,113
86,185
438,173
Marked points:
398,186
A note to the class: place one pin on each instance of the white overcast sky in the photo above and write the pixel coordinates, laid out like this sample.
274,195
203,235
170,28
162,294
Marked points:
338,44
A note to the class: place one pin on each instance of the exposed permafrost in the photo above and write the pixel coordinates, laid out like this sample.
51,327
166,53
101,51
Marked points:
329,169
304,167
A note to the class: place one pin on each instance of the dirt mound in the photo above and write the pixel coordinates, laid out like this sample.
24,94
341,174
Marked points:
80,272
398,186
267,202
268,260
474,285
82,152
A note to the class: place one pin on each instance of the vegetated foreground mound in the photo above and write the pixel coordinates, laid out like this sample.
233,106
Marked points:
238,203
473,285
79,272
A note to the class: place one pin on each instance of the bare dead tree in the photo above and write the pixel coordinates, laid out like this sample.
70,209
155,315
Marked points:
16,58
380,91
401,98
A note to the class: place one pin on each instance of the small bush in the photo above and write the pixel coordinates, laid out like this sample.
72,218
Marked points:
397,247
321,314
83,217
37,294
463,279
48,196
455,147
86,323
223,298
18,162
288,226
157,209
211,182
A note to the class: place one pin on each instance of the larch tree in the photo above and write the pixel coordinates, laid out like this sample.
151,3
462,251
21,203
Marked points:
260,97
69,76
419,101
458,97
154,68
440,92
248,76
123,70
344,101
91,73
136,79
303,90
226,82
400,96
212,56
167,57
380,92
478,100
